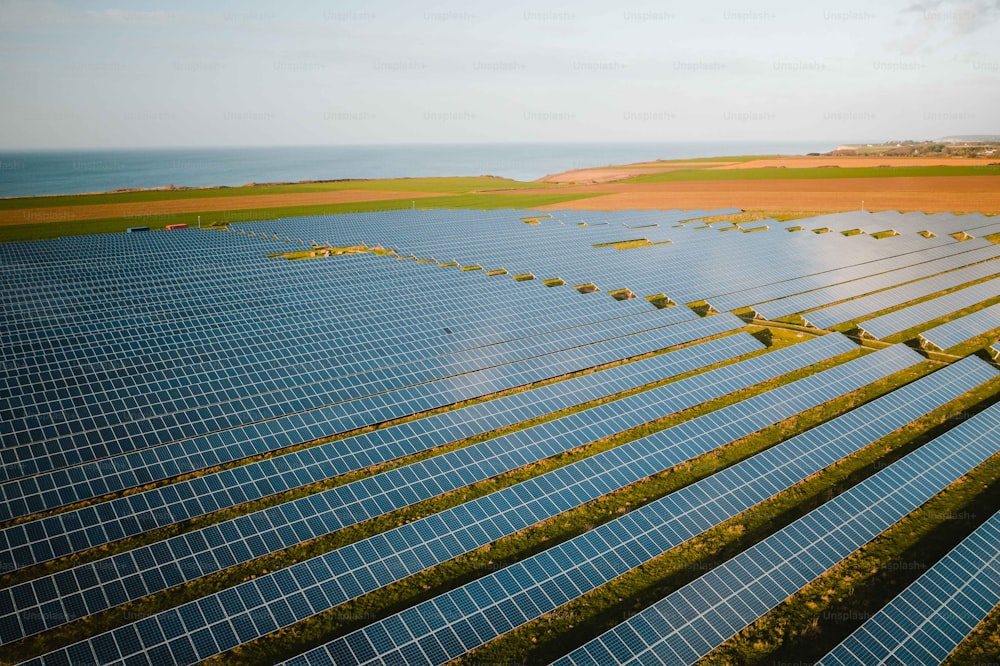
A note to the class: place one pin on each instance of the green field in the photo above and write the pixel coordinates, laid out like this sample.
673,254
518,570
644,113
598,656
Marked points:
456,185
483,201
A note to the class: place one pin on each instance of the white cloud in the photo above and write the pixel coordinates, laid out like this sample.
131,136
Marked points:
932,23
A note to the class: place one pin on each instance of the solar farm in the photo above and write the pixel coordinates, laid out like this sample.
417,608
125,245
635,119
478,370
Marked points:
504,437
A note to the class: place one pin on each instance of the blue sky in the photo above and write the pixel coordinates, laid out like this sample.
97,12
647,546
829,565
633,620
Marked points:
142,74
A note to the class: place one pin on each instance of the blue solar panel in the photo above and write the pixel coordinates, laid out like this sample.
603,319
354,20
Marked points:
963,329
927,621
921,313
571,569
132,359
892,295
28,543
474,524
766,574
187,557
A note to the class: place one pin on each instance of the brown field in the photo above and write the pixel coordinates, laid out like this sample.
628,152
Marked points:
934,194
254,201
803,162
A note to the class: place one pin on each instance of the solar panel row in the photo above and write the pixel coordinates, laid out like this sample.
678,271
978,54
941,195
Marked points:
686,625
904,293
919,261
927,621
218,622
38,541
441,629
683,277
921,313
961,256
138,572
66,489
113,438
963,329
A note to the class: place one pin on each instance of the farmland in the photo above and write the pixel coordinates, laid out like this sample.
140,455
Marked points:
757,183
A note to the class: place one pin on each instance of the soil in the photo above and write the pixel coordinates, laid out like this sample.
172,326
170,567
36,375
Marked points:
249,202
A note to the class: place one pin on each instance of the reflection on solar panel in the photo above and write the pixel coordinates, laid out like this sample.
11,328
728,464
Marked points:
130,575
686,625
371,448
921,313
963,329
845,283
491,606
860,307
928,620
892,295
292,594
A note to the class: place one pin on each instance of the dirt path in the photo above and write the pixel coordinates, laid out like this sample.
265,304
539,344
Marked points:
138,210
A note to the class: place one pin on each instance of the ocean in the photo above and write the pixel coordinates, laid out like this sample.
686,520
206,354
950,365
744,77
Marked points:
33,173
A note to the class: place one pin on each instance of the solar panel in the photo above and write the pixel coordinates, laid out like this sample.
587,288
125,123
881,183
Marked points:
325,389
38,541
921,313
904,293
463,528
71,490
568,571
763,576
928,620
963,329
190,556
890,285
132,359
914,260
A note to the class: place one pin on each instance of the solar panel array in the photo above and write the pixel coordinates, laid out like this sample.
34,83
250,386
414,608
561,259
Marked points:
861,279
148,380
146,570
963,329
686,625
304,589
33,542
445,627
686,270
921,313
858,308
927,621
889,294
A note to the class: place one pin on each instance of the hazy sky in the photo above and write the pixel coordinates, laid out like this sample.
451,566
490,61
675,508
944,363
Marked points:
90,74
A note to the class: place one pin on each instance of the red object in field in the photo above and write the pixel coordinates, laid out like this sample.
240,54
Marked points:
176,226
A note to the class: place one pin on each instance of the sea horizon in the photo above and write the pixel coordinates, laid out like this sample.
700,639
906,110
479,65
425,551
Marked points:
44,171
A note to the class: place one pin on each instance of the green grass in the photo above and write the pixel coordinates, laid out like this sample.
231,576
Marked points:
440,185
815,173
485,201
